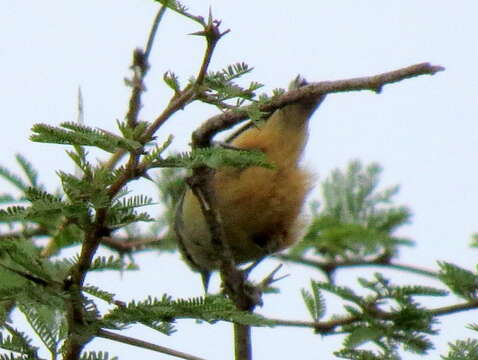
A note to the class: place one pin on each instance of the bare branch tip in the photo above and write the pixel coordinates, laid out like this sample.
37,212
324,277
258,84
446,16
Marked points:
429,68
437,68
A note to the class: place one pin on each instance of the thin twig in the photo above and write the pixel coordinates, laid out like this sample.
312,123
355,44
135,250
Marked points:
127,245
140,68
409,268
145,345
154,31
324,327
182,11
326,265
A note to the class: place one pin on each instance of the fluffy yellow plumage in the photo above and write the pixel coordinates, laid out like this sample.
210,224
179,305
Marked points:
259,207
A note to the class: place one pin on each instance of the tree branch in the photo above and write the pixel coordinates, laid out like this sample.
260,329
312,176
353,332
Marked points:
154,31
452,309
133,170
140,69
242,342
97,230
374,83
73,283
379,261
145,345
325,327
127,245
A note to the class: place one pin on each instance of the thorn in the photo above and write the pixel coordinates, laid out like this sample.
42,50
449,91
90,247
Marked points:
205,276
147,177
298,82
199,33
251,267
269,279
210,20
225,32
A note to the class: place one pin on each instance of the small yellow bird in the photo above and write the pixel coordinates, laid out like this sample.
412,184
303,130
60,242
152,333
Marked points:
259,207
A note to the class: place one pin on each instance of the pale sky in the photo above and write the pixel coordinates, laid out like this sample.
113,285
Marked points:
423,131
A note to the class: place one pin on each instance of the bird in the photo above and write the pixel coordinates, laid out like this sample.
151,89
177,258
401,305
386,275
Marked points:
260,207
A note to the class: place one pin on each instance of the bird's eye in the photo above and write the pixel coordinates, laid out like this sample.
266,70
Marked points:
260,240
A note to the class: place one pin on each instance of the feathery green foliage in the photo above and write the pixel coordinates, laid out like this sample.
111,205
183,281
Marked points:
356,220
13,179
102,263
389,317
463,350
255,114
71,133
133,134
462,282
314,301
133,202
216,158
23,257
159,313
155,154
97,355
50,326
172,80
28,169
221,85
354,354
473,327
19,343
99,293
